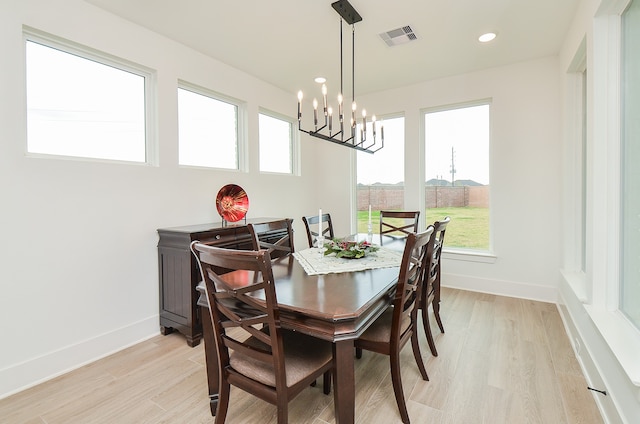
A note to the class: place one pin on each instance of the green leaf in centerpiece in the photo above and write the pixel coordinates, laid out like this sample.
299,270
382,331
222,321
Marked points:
349,249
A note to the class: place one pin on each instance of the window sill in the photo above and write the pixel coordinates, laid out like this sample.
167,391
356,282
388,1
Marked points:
621,336
578,283
469,255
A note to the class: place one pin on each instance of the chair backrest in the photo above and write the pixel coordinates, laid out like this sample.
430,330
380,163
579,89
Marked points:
415,260
311,225
439,229
235,305
398,223
274,236
431,279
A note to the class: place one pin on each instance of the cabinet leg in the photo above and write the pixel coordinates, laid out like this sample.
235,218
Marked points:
165,330
193,341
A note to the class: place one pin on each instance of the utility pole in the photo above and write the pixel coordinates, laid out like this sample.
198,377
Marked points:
453,168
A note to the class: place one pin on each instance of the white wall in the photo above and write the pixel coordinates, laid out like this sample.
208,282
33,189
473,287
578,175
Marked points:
79,238
524,166
78,257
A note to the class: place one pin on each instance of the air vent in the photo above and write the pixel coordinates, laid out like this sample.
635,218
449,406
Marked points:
398,36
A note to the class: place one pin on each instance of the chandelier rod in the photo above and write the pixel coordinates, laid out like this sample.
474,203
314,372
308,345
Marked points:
353,62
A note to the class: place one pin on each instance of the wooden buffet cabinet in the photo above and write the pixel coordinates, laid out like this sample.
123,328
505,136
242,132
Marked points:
179,274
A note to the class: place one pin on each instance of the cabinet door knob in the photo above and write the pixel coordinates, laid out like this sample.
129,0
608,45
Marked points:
217,236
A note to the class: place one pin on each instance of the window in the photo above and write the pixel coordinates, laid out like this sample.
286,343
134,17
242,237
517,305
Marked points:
630,155
583,173
276,144
208,130
457,173
576,198
83,104
383,190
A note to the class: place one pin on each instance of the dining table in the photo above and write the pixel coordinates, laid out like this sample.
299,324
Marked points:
331,305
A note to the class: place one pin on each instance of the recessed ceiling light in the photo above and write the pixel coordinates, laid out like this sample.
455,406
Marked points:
320,80
485,38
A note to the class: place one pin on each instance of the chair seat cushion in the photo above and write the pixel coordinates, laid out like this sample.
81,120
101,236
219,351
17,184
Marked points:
304,356
380,330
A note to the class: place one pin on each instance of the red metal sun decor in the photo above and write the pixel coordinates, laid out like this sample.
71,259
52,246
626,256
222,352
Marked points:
232,203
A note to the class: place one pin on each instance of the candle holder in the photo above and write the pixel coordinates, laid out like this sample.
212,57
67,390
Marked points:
369,233
320,245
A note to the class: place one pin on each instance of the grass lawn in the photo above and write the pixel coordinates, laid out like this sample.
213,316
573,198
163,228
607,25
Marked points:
469,227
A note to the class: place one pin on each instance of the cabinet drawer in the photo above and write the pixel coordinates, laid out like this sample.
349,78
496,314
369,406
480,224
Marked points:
224,239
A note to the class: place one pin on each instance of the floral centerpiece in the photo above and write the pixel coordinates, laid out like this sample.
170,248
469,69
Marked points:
349,249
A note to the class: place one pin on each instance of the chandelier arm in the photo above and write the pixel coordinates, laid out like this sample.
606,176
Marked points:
341,143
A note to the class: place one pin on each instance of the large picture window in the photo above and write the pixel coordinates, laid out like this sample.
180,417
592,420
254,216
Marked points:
380,176
630,194
80,104
457,173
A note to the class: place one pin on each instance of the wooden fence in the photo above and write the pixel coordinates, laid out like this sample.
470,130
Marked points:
391,197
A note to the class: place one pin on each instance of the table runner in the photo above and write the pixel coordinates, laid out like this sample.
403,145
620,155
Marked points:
315,263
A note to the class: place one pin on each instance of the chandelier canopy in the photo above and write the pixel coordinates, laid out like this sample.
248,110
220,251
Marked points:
325,128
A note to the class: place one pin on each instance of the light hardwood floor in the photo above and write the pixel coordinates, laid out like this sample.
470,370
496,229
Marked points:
502,360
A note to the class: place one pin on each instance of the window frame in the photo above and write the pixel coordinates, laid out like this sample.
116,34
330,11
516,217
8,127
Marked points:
241,145
294,142
34,35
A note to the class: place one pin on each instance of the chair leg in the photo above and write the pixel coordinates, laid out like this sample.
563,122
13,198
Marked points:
436,312
283,411
326,382
415,346
427,330
396,379
223,403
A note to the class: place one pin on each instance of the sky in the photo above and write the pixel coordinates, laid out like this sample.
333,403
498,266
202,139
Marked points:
466,130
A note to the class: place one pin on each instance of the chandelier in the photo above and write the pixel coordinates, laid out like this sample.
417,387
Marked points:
337,132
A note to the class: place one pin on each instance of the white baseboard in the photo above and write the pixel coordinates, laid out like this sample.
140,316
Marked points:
33,371
501,288
597,361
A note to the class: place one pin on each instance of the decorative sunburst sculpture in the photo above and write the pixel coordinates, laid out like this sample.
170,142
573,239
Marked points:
232,203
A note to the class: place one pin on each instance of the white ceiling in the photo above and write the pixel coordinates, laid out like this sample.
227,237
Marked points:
289,42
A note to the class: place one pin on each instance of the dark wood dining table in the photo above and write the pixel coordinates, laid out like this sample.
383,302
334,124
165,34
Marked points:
337,307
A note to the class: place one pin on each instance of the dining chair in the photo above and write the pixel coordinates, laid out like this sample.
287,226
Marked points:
430,294
254,353
279,243
397,325
398,224
311,225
